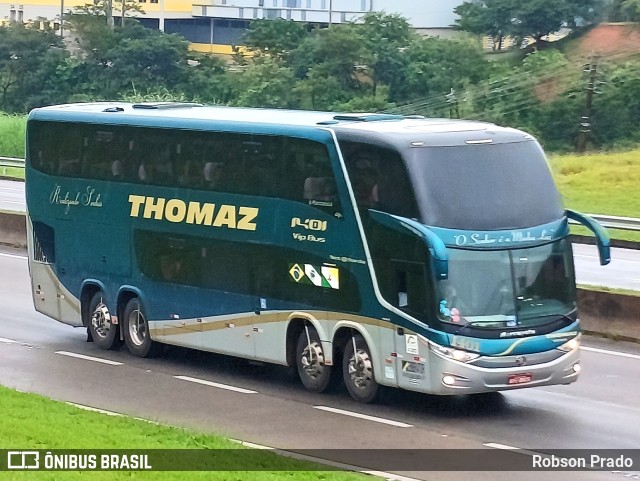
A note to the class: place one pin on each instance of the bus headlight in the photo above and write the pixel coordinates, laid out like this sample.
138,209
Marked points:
455,354
571,344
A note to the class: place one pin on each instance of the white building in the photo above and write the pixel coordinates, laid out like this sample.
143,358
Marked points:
422,14
216,25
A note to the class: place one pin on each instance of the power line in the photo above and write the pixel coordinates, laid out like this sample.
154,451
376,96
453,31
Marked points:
505,86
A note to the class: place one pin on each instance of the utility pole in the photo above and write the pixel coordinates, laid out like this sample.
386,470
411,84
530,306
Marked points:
585,122
452,101
108,4
61,17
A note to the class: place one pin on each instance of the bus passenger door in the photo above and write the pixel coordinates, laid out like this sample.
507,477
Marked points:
407,259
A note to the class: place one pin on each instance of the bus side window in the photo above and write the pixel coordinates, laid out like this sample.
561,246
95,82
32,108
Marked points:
379,179
70,153
362,165
212,174
310,172
319,188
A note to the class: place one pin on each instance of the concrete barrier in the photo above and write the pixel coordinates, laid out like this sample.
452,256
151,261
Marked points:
13,229
616,316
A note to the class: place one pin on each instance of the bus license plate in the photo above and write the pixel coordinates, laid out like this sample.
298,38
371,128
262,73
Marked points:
519,378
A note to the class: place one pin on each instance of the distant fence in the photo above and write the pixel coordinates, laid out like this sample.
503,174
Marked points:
608,221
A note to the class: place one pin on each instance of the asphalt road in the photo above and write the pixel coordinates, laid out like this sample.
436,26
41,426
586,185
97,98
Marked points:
263,404
12,196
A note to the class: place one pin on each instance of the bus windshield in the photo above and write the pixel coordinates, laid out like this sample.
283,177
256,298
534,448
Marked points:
484,187
508,288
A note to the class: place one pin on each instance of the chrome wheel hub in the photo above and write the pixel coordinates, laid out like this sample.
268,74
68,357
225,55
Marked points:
137,328
360,369
101,320
312,360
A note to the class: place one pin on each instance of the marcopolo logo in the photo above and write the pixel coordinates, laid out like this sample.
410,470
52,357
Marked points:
177,210
23,460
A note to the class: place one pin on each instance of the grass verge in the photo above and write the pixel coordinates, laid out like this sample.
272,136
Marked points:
40,423
12,128
600,183
11,173
611,290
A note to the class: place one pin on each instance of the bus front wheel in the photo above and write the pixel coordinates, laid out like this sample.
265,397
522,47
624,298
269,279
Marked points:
314,373
103,332
357,371
136,331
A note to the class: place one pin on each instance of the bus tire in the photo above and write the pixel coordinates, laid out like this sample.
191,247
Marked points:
101,328
314,374
136,331
357,371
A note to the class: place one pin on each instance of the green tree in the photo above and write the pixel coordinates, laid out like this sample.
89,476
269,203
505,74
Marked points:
132,58
533,18
630,9
537,18
29,58
492,18
585,11
265,83
206,79
616,105
385,37
337,52
274,37
435,67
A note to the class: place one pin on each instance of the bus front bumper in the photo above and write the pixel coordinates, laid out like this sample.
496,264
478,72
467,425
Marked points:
454,378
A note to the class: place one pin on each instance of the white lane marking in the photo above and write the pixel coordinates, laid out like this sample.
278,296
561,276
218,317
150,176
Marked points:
89,358
2,254
326,462
215,384
364,416
95,410
4,340
110,413
596,256
612,353
506,447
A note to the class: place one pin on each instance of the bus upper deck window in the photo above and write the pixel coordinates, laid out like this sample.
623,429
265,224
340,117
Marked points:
212,174
319,188
364,177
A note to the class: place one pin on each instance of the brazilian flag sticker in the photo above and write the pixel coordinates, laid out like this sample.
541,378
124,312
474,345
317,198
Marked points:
327,276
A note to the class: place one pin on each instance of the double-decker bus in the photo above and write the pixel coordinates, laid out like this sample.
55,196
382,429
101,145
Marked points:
426,254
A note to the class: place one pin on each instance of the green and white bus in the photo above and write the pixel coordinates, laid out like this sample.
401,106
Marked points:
426,254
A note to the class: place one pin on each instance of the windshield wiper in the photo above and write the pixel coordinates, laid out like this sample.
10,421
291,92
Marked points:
481,324
556,315
518,326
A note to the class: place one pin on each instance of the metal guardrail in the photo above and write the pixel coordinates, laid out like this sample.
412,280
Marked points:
608,221
11,162
615,222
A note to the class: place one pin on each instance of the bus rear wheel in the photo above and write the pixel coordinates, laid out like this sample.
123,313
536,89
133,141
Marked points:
310,360
136,331
357,371
101,327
